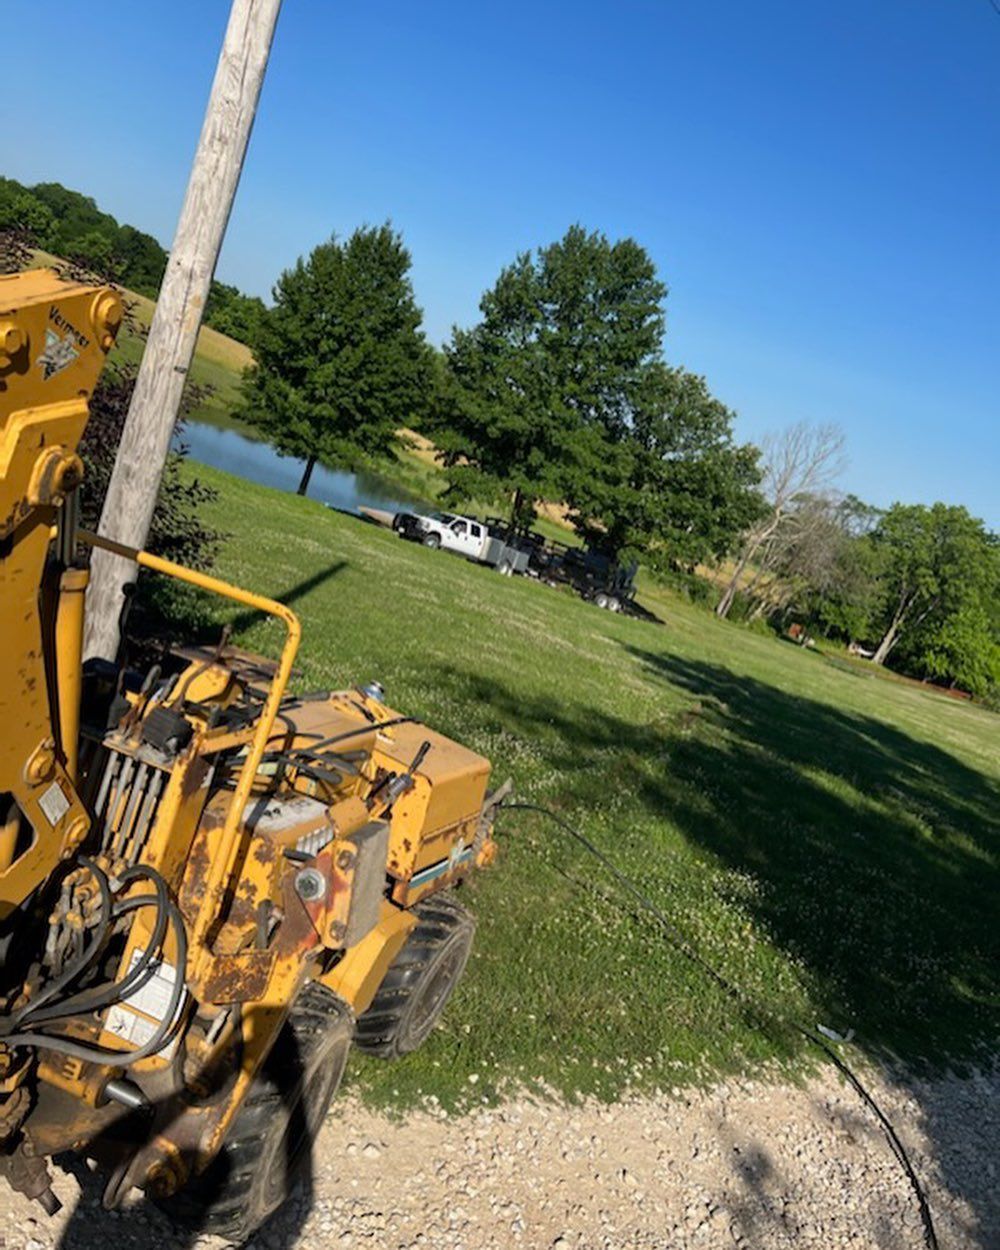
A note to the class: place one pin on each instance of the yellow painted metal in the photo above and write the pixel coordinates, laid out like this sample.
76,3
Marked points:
359,974
54,336
222,861
9,829
254,939
69,655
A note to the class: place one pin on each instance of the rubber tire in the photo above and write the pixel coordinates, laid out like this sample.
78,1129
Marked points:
433,541
400,1019
505,568
270,1141
601,599
614,605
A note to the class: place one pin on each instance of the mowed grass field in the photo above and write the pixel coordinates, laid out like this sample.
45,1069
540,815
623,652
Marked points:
829,840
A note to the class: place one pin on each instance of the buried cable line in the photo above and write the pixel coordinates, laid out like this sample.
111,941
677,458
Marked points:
816,1037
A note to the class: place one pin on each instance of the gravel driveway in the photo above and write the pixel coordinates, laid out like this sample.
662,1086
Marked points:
742,1164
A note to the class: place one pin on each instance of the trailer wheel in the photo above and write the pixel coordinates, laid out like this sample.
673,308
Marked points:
432,540
601,599
505,568
614,605
270,1142
419,981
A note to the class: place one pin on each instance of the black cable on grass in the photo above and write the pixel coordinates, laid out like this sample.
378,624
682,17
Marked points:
681,943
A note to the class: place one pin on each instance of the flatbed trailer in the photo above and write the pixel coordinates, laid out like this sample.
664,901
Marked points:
593,574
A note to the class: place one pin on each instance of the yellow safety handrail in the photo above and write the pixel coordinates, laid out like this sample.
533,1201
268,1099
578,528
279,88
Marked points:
222,860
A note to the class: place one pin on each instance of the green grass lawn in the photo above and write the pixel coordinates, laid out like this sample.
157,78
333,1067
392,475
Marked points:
829,840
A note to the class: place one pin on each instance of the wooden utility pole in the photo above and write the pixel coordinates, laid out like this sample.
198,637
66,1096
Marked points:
152,414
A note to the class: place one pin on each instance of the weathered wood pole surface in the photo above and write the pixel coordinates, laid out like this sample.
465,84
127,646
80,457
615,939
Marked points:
152,415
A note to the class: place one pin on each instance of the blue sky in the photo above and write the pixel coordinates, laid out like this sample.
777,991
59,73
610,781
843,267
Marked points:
819,184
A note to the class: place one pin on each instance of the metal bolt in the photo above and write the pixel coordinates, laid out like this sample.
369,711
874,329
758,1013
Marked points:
41,763
337,931
11,339
344,860
76,832
161,1180
374,691
310,884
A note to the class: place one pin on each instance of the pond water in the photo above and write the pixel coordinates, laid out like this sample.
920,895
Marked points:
232,449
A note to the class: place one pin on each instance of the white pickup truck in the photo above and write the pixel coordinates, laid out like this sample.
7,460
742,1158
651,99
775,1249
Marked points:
463,535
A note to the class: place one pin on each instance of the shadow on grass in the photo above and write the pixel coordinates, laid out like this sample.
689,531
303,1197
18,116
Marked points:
172,612
877,854
875,858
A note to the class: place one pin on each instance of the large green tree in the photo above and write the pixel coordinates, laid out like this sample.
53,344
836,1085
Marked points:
560,393
686,489
940,573
848,595
541,392
341,362
935,561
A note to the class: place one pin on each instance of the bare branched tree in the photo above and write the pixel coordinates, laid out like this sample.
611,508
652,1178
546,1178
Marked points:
801,556
799,463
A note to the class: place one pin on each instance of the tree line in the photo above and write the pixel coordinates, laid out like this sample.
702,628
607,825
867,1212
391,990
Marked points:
916,586
561,393
55,219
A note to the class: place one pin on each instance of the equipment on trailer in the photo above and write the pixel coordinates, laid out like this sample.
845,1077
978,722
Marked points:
209,888
592,573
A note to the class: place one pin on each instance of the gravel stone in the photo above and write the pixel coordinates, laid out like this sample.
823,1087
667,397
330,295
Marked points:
748,1165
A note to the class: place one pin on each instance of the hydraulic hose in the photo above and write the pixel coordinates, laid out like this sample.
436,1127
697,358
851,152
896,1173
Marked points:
81,961
116,1058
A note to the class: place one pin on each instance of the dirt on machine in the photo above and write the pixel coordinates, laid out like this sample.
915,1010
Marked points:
210,888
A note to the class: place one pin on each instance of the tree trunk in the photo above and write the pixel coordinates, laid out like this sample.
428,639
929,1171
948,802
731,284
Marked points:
515,510
754,581
887,643
307,473
729,594
760,607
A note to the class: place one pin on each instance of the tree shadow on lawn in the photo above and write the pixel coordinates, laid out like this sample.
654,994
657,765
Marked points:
874,856
172,613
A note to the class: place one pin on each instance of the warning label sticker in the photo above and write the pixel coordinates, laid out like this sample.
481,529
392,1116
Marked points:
136,1018
54,803
59,352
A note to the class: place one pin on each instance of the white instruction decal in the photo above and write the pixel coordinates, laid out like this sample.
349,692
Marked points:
54,803
136,1018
